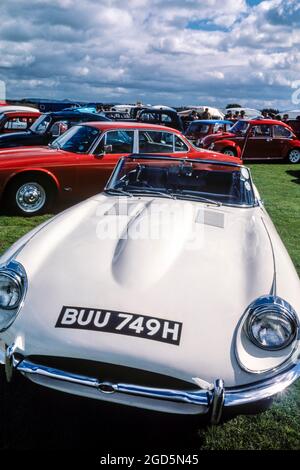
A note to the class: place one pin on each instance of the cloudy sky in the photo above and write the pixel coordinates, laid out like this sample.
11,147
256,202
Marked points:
158,51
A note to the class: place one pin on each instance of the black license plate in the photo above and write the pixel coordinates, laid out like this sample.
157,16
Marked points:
122,323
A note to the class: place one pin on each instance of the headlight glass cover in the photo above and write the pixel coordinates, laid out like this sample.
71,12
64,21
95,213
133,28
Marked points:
12,290
272,323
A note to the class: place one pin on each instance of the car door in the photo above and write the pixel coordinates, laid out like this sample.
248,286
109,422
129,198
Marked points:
95,168
160,142
281,138
260,143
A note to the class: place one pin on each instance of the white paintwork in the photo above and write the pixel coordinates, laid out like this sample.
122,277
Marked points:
11,108
207,287
293,114
123,107
161,106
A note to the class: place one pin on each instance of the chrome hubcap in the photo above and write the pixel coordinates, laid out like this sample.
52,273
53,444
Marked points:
294,156
30,197
229,152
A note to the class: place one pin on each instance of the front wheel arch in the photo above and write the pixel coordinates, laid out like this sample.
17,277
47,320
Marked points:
40,177
228,149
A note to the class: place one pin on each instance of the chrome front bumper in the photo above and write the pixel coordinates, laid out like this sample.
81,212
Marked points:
213,402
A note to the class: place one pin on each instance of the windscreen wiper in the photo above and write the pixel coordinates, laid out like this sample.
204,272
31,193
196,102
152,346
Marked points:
117,191
154,192
184,194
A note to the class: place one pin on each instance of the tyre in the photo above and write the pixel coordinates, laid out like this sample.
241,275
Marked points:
229,151
294,156
30,195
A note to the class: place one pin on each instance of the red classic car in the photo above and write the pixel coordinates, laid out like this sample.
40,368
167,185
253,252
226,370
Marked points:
200,128
15,121
78,163
257,139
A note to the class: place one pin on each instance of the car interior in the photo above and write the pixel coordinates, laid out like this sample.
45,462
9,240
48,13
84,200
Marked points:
183,178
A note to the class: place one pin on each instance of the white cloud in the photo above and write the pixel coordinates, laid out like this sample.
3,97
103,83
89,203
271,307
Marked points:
181,51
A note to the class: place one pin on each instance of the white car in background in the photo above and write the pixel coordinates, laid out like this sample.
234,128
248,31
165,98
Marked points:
170,291
11,108
215,113
292,114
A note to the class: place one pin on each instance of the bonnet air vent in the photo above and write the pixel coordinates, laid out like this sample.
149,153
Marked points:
213,218
122,209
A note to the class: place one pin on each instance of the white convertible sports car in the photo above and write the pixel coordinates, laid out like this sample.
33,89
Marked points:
170,291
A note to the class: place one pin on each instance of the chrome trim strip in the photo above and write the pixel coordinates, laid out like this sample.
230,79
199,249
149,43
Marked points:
217,401
155,156
214,400
264,389
273,290
192,397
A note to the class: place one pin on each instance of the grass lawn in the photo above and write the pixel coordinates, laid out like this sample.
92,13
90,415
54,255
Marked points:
279,427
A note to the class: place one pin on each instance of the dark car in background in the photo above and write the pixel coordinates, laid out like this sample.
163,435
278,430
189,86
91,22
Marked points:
47,127
116,115
17,121
161,117
295,125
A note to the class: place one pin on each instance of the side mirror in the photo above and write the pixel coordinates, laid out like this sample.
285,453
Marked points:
108,148
58,129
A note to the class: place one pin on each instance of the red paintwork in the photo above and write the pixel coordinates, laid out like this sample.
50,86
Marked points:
256,148
197,135
15,115
86,174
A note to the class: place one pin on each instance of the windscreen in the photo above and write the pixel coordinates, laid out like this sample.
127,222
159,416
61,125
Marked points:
240,127
185,180
78,139
41,125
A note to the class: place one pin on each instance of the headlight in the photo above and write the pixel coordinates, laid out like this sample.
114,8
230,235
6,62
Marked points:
12,290
272,323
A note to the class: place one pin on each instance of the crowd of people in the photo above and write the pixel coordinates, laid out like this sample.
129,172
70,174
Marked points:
196,115
237,115
230,116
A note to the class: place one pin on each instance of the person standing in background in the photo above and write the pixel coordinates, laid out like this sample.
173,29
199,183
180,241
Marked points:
205,114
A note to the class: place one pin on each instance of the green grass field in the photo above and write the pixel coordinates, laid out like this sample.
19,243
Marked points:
279,427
